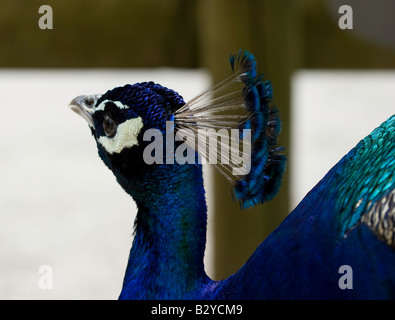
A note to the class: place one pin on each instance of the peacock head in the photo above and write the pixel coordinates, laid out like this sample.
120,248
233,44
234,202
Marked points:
236,113
119,119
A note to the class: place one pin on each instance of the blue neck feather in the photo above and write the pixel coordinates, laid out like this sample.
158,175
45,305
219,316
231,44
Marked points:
170,234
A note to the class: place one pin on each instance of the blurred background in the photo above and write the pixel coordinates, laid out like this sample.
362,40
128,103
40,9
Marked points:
61,207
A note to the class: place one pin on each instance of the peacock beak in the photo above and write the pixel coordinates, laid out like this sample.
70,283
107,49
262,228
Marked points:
85,106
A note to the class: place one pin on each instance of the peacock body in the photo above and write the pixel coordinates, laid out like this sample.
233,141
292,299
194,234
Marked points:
346,222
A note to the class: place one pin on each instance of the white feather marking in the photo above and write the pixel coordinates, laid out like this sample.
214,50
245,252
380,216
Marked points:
126,136
102,105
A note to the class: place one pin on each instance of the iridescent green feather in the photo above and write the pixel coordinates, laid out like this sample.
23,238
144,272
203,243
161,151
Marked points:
366,186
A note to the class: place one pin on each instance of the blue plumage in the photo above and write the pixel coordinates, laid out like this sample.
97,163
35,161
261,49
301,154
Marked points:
267,166
346,221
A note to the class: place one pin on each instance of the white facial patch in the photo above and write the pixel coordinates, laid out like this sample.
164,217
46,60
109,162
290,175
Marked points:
125,137
102,105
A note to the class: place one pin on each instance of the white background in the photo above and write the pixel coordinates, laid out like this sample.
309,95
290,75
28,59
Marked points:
331,112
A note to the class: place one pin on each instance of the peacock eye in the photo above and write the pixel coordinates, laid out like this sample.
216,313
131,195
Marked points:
109,126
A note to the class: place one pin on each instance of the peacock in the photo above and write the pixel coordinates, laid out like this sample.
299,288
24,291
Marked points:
338,243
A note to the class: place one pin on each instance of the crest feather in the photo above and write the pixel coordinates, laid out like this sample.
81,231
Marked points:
241,104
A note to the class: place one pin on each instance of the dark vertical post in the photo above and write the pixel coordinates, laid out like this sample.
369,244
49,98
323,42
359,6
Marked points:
270,29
